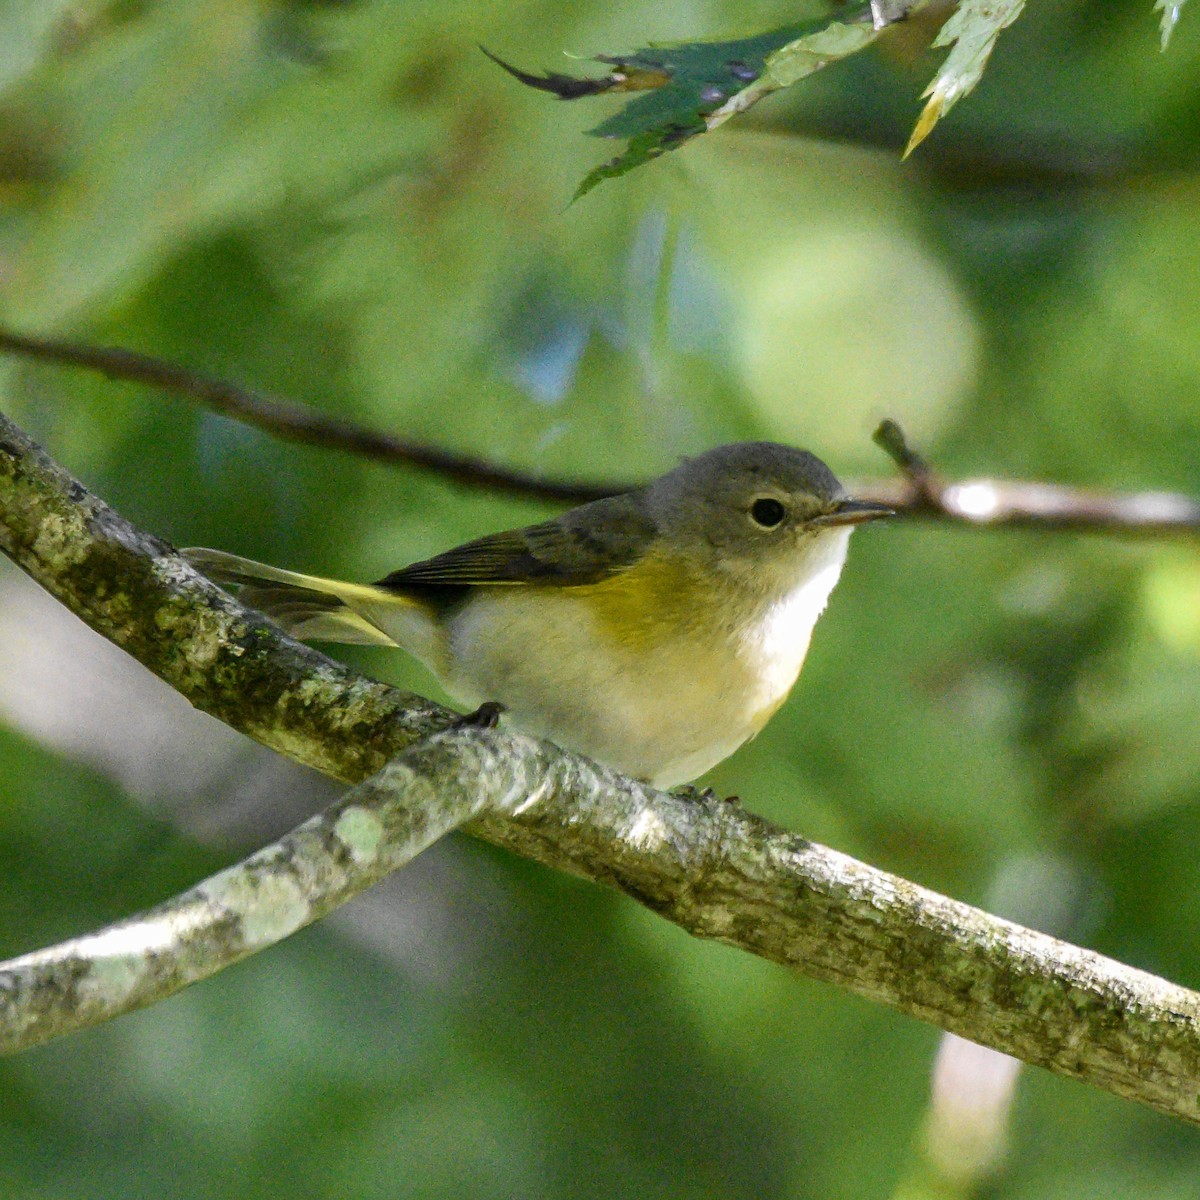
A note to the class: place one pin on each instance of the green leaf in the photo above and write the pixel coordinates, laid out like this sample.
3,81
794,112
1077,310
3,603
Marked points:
805,55
972,32
690,88
1170,10
698,81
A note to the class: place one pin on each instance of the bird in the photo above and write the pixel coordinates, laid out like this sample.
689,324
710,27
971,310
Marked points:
654,631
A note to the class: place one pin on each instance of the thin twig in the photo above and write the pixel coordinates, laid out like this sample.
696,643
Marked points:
926,487
980,502
1013,503
707,865
296,422
1019,504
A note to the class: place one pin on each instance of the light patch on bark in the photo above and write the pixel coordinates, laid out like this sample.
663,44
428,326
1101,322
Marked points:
113,979
360,832
536,795
268,904
61,540
648,831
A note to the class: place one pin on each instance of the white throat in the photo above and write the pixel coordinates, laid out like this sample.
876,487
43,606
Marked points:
777,643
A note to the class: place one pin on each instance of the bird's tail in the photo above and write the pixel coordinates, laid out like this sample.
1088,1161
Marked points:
307,606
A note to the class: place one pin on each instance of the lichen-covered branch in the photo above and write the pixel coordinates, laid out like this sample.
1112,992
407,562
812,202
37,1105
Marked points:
374,828
707,865
980,502
225,659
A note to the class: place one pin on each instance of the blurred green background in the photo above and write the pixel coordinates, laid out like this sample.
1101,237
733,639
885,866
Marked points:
346,202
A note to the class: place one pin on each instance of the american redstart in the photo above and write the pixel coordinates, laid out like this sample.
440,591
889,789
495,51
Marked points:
654,631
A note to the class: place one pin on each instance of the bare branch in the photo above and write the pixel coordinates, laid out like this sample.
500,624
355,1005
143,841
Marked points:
295,422
1022,505
984,502
1017,504
707,865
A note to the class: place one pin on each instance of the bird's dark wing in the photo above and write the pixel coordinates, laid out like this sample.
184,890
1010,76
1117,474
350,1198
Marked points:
582,546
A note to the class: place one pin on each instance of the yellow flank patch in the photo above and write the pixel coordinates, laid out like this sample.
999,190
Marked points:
657,601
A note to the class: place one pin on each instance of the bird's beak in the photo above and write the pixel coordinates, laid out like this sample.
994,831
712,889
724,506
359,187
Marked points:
852,512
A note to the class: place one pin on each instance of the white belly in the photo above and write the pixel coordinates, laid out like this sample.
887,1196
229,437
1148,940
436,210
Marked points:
655,715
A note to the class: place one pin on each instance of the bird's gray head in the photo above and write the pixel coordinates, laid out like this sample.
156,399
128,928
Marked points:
754,506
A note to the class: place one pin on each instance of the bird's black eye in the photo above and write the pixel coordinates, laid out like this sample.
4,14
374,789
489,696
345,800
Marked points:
767,512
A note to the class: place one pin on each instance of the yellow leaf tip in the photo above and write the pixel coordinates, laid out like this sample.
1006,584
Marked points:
929,117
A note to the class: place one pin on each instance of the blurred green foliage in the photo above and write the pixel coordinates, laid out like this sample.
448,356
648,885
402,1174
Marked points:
346,202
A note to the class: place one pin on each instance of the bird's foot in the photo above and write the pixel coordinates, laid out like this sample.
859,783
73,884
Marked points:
486,716
705,795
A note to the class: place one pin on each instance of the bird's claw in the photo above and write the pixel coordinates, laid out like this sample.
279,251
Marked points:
486,716
702,795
